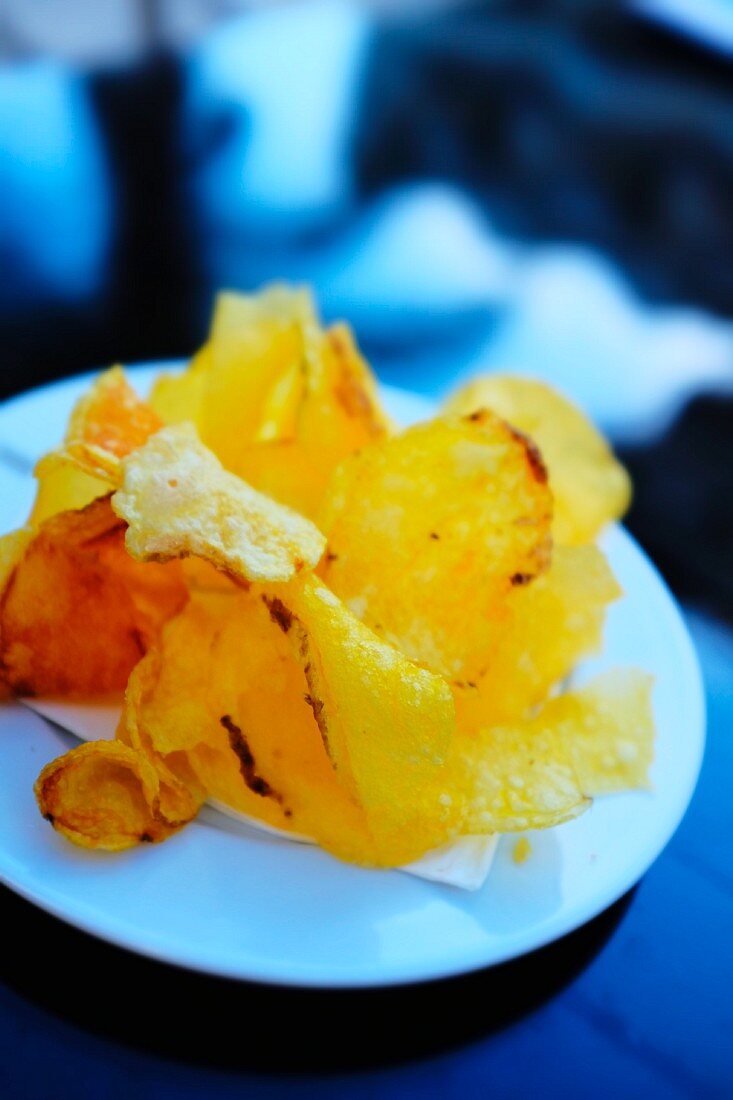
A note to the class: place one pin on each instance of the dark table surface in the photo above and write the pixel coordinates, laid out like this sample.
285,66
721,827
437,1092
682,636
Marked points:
636,1003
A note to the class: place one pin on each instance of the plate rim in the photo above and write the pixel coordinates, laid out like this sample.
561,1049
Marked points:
406,974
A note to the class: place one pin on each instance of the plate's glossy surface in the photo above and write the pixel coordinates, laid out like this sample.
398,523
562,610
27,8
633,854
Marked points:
259,908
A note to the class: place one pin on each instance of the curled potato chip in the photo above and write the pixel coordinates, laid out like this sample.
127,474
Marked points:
429,531
550,625
107,422
179,791
178,500
591,488
77,612
103,795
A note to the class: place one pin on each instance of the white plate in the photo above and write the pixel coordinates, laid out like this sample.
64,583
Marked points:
255,907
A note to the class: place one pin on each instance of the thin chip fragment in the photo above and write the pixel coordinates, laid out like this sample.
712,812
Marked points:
515,777
591,488
180,793
608,726
178,500
427,531
107,423
111,417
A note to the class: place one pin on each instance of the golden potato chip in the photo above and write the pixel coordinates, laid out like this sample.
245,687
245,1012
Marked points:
596,740
608,726
63,487
389,728
178,397
591,488
550,625
178,500
77,612
429,531
12,548
107,423
102,795
338,411
510,778
180,793
386,724
111,416
257,343
542,771
354,385
278,401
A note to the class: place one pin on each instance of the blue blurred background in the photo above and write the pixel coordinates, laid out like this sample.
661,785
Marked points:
535,185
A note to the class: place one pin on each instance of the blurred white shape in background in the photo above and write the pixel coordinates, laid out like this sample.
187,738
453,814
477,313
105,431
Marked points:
709,20
576,322
418,252
285,76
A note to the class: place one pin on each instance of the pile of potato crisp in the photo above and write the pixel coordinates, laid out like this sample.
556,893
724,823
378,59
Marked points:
349,631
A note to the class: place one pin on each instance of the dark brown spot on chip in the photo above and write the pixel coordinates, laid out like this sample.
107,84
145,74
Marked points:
521,578
240,747
316,705
532,454
279,613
